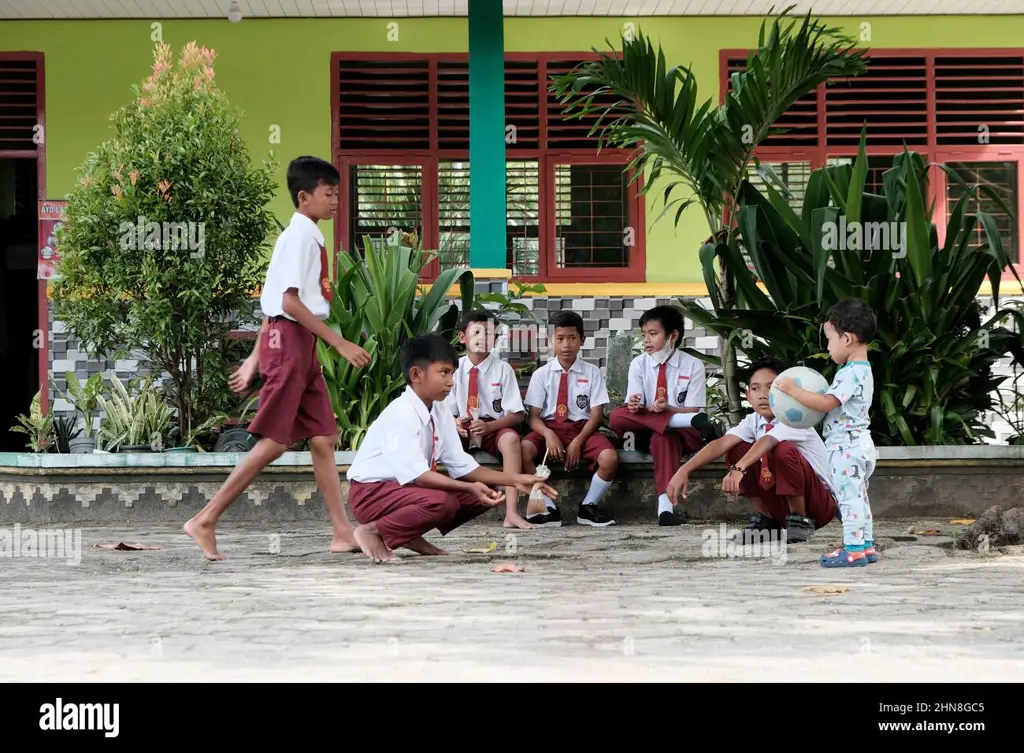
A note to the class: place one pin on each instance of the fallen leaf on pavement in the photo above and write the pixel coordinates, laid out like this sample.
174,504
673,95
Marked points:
507,567
827,589
491,547
962,522
929,532
126,547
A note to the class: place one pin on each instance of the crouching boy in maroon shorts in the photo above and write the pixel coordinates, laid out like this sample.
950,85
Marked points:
567,397
395,491
487,405
294,404
783,472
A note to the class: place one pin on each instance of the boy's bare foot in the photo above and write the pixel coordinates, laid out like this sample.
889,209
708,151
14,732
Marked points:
373,545
515,520
424,547
344,543
206,537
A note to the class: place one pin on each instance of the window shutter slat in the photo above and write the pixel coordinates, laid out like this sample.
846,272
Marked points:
384,104
19,105
453,104
979,100
522,105
571,133
800,121
890,97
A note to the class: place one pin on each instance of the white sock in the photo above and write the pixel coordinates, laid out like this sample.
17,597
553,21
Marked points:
664,503
598,487
681,420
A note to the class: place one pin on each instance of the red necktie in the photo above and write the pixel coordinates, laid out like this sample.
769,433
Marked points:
473,401
433,446
562,411
767,479
325,278
662,391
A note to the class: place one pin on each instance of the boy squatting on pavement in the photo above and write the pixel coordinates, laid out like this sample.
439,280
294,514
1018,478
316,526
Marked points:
783,472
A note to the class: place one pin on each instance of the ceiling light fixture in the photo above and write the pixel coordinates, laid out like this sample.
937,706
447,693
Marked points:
234,12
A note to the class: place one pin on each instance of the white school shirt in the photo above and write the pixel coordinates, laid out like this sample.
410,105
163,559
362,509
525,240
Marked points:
684,377
295,263
497,388
807,442
587,389
397,446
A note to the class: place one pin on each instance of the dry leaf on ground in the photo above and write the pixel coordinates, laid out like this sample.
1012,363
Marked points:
126,547
507,567
831,590
490,548
930,532
962,521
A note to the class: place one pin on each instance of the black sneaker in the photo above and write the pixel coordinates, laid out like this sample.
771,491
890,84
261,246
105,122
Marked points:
758,523
703,424
550,517
669,519
592,515
798,528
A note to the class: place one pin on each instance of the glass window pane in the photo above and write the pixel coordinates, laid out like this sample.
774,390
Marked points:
1001,178
592,216
385,200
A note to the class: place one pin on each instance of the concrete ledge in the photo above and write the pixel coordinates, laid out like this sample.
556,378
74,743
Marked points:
917,482
12,462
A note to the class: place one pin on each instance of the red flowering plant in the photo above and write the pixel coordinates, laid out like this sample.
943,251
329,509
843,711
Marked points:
164,244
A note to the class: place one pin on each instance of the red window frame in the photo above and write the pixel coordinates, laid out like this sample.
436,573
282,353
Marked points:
546,158
929,149
39,154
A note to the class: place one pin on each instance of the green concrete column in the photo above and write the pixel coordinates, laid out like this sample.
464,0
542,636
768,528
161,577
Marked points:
487,206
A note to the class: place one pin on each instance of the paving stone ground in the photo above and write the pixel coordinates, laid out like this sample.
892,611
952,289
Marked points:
626,603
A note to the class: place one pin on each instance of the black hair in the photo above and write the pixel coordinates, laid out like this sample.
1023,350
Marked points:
772,364
477,315
669,317
854,316
306,173
568,319
424,350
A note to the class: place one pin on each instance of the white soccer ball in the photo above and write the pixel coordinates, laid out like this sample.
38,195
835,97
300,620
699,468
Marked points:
791,412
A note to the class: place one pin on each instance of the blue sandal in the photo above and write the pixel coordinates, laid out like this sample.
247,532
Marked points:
843,558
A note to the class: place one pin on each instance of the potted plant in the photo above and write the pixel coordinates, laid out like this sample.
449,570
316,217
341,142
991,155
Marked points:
38,427
138,424
86,399
189,443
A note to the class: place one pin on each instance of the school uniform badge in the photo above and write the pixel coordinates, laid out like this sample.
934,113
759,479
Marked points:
496,405
681,397
583,401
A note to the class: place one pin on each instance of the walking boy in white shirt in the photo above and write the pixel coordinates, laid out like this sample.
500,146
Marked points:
487,404
395,491
666,401
783,472
566,397
294,404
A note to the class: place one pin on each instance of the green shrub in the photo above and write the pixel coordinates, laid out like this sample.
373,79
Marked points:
164,243
378,304
933,355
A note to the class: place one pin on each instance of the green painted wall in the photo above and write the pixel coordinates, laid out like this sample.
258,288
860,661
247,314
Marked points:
278,72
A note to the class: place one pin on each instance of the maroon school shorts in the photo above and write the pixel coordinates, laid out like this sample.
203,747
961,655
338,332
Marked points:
595,445
294,404
488,444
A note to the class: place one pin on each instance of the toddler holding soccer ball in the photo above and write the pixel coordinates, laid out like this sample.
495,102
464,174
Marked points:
847,429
